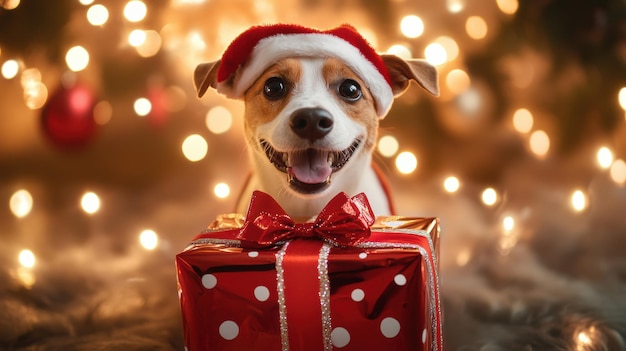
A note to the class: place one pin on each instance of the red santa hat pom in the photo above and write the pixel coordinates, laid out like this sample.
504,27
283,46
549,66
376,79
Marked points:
254,50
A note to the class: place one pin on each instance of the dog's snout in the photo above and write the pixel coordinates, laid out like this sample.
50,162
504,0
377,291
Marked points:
311,123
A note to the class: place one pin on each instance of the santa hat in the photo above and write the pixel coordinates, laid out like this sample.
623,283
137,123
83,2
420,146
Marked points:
256,49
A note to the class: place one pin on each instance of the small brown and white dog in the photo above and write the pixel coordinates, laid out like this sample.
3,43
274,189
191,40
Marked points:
313,101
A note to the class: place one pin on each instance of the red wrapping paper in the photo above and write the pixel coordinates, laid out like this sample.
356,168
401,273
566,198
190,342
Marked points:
376,290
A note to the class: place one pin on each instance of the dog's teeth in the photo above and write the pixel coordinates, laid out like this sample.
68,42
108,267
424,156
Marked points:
290,175
286,159
331,158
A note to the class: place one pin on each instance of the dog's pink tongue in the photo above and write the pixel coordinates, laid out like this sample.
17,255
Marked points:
310,166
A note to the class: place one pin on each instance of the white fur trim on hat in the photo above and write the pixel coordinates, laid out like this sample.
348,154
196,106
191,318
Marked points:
274,48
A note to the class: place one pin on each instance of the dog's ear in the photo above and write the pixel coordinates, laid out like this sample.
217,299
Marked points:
205,76
403,71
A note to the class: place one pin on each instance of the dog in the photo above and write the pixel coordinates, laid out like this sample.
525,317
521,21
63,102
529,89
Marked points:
313,101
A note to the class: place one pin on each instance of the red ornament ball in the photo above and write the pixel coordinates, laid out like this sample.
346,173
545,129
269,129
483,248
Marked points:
67,117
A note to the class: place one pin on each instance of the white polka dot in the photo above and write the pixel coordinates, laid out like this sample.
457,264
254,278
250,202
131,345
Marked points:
357,295
186,349
261,293
390,327
229,330
209,281
340,337
424,336
362,255
400,279
180,293
253,254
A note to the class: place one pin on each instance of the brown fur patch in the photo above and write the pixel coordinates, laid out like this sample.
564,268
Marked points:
363,110
261,110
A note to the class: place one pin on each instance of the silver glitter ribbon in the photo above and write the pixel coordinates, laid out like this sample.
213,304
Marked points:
282,308
322,269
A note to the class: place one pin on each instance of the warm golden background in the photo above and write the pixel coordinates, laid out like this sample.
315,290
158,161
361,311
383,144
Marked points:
522,158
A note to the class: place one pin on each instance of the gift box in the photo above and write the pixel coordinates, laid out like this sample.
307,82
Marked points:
347,281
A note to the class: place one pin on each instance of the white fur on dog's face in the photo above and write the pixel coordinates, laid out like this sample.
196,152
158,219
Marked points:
310,83
304,171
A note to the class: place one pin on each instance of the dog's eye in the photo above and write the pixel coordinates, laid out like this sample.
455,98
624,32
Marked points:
274,88
350,90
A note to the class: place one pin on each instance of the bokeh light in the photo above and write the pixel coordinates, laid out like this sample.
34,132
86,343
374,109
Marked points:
406,162
25,274
451,184
388,145
604,157
77,58
195,147
458,81
30,76
435,54
400,50
86,2
621,97
221,190
90,202
26,258
470,101
450,45
148,239
35,92
476,27
135,11
578,201
151,44
583,339
35,95
539,143
97,15
523,120
618,171
508,7
463,257
587,337
196,41
102,112
21,203
412,26
136,37
10,68
455,6
509,237
142,107
219,120
10,4
508,223
489,196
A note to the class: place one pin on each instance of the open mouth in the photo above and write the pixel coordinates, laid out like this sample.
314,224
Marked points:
309,170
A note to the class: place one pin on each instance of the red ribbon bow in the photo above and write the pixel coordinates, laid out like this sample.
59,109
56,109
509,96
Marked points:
344,221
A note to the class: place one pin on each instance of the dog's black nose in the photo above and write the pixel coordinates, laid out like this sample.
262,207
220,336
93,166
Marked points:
311,123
